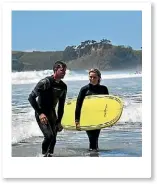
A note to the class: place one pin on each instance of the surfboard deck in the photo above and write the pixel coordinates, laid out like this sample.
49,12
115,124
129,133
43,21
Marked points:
98,111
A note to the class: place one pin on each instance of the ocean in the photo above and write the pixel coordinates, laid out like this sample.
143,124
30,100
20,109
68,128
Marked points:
121,140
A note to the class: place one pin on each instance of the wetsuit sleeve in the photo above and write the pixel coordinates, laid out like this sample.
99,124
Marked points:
106,91
61,106
41,86
79,103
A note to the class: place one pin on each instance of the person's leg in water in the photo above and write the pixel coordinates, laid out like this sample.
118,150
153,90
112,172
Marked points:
50,139
50,133
93,136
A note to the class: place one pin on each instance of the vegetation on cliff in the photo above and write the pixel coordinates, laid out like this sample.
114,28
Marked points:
88,54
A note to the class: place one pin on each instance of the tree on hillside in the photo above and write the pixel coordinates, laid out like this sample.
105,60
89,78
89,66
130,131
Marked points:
105,41
69,53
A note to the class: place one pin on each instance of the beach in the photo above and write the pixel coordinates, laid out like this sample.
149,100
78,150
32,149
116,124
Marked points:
121,140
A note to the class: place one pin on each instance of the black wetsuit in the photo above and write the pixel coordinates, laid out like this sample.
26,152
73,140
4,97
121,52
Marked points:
49,93
89,89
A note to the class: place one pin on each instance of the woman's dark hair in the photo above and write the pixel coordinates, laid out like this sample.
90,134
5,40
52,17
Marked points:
59,64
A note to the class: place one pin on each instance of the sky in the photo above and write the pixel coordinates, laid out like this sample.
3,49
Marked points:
55,30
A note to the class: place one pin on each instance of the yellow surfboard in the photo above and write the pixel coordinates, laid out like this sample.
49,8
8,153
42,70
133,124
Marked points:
98,111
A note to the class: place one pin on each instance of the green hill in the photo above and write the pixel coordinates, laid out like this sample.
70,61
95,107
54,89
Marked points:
88,54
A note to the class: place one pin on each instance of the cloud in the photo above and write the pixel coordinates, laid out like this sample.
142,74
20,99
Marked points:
30,50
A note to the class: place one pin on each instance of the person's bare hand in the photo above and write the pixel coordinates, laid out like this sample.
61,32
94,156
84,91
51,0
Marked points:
43,118
59,127
78,126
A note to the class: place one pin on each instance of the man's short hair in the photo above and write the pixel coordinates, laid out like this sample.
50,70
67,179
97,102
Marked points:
59,64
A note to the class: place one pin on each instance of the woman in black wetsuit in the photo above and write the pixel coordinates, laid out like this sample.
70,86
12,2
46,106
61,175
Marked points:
93,88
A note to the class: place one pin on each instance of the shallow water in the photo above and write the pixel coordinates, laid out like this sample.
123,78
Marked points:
122,140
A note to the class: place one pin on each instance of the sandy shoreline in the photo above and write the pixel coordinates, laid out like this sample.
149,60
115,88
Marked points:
34,150
124,144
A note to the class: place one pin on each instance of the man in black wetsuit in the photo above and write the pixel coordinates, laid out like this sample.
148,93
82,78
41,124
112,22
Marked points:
93,88
50,92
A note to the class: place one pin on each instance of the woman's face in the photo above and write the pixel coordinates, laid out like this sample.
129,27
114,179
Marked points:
93,78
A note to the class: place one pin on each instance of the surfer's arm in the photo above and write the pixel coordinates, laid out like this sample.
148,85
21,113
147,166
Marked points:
79,103
61,106
33,102
41,86
106,91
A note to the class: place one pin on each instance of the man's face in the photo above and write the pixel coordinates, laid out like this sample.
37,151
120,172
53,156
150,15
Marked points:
60,72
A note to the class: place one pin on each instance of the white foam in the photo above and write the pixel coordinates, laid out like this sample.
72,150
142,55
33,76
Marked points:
132,113
25,125
34,76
